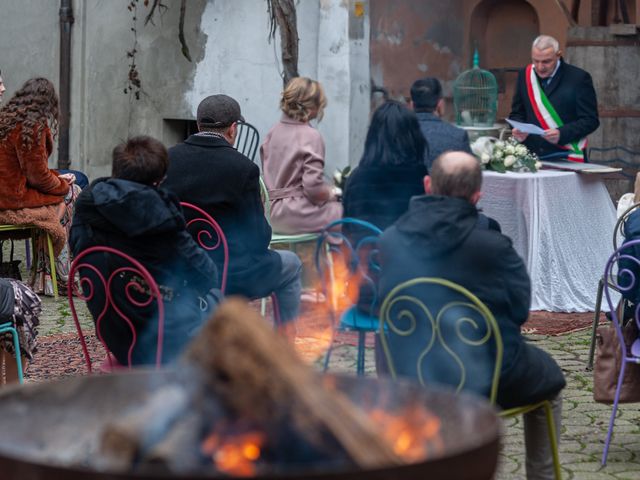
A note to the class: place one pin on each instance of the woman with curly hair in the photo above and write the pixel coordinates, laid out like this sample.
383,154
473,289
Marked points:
293,163
30,192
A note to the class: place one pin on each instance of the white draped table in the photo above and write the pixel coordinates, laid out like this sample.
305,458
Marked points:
561,224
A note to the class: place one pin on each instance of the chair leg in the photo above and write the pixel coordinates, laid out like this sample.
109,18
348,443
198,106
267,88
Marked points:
52,261
594,327
553,440
277,321
27,248
614,410
16,347
327,357
360,361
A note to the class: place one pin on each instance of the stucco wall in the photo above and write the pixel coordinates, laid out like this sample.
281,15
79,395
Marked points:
228,43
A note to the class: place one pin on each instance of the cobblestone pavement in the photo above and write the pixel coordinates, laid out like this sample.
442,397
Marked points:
584,421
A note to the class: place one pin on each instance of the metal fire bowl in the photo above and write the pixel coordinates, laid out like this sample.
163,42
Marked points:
47,429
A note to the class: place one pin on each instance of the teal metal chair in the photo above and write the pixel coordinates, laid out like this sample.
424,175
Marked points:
455,331
8,327
347,281
30,231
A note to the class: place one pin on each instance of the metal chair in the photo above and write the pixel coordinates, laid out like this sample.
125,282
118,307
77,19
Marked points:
30,231
204,235
618,233
342,281
8,327
623,274
123,280
247,140
433,322
203,228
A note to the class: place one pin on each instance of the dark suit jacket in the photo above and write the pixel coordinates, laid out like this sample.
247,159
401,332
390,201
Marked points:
211,174
441,136
572,95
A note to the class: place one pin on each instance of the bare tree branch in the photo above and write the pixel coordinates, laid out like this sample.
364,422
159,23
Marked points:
183,42
282,14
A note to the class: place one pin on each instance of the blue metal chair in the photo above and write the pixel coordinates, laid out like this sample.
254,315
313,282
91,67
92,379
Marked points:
343,282
8,327
436,331
623,274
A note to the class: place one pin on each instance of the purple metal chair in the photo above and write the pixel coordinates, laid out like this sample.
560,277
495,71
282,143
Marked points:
203,227
622,271
140,290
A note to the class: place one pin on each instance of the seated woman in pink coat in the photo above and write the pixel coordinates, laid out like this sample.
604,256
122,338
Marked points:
293,163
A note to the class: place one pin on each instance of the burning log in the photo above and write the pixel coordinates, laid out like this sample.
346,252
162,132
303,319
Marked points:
259,377
129,436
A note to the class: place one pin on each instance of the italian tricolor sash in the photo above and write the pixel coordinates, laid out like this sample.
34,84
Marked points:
548,117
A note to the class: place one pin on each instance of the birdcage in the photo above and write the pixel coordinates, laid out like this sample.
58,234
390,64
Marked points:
475,97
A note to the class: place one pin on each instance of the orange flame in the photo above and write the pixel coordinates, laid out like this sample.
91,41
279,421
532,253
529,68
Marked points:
235,455
413,434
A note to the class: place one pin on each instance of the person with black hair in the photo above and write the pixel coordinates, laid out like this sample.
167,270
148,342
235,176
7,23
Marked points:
390,172
428,103
131,213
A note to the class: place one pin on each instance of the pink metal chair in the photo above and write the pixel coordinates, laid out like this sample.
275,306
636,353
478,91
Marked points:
623,274
203,227
204,236
140,290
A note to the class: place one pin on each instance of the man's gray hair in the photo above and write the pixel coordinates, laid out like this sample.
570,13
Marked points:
543,42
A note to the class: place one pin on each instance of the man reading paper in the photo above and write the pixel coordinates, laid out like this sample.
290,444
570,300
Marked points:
558,97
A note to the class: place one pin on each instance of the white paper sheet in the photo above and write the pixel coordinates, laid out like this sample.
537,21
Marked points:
525,127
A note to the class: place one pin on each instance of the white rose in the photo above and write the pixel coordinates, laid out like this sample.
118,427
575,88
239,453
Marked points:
498,154
509,150
499,144
538,165
509,160
485,158
337,176
521,150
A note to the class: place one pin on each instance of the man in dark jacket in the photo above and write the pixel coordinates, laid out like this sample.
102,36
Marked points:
440,236
427,101
559,98
207,171
130,213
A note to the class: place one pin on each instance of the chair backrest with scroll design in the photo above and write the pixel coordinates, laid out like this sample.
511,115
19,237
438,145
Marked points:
125,302
209,235
438,332
358,262
618,230
247,140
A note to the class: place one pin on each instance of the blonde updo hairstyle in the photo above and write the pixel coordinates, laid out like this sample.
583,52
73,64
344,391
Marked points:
302,97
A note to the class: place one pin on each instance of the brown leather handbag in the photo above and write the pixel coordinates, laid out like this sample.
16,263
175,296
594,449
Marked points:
607,366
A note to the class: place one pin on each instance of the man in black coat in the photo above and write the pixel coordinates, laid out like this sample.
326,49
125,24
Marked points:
441,236
208,172
559,98
427,101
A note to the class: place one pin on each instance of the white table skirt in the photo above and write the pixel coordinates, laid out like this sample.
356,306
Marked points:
561,224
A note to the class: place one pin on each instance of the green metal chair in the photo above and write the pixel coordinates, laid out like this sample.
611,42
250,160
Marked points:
457,331
31,230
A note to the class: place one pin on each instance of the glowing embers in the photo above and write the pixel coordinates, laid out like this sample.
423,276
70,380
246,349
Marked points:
414,434
234,453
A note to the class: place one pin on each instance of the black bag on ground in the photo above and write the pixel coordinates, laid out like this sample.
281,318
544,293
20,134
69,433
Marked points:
608,363
11,268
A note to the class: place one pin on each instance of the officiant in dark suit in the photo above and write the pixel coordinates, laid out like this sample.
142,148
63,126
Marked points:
558,97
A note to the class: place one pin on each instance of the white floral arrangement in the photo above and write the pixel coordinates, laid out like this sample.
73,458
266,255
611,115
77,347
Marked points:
505,156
